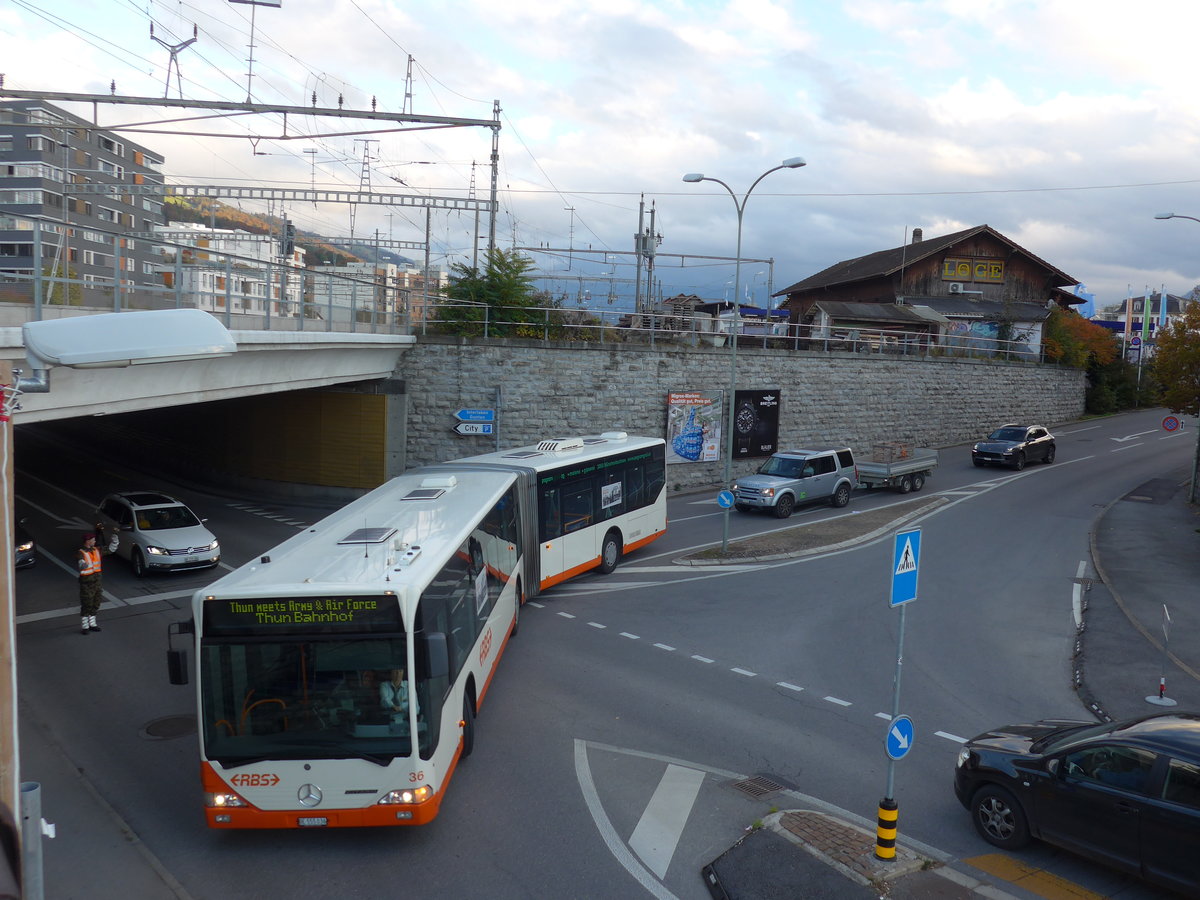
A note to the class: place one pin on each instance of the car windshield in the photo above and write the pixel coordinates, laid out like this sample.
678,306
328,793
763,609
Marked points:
781,466
1064,737
1007,434
166,517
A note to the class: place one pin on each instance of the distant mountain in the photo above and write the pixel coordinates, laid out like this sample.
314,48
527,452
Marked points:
216,214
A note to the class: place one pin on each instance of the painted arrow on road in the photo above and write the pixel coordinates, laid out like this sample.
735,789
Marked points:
1130,437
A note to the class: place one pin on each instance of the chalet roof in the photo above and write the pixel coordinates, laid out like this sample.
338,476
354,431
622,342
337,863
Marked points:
961,307
873,312
889,262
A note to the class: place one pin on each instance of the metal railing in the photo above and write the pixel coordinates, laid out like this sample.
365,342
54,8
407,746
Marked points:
270,294
699,330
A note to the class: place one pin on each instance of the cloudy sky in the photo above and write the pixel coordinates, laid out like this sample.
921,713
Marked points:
1064,124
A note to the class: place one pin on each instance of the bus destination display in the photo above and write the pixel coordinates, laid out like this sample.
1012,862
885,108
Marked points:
323,614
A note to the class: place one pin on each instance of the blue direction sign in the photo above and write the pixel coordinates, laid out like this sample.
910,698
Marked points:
476,415
899,737
725,499
906,556
473,428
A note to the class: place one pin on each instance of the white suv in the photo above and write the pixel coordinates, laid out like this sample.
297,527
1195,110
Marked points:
157,532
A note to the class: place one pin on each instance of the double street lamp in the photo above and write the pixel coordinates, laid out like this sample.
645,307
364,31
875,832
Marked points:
692,177
1196,455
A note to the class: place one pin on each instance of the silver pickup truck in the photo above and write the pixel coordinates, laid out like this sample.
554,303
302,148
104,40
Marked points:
798,476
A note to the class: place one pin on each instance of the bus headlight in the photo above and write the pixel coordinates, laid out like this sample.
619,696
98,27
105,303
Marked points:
411,795
224,801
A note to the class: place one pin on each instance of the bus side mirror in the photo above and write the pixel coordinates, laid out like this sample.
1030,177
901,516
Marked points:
436,658
177,660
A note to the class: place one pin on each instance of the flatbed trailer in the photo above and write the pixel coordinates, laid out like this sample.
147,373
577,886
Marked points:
903,475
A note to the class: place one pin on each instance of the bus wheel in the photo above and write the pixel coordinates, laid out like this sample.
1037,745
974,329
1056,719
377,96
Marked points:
610,552
468,718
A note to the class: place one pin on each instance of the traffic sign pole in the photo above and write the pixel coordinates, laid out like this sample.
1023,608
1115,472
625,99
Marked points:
906,560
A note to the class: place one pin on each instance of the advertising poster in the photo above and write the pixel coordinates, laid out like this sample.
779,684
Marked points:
694,426
755,423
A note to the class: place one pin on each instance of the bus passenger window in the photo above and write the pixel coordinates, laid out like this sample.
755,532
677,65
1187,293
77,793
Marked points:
635,487
577,509
551,524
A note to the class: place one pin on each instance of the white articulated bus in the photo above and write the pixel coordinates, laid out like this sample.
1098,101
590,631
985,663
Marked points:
338,675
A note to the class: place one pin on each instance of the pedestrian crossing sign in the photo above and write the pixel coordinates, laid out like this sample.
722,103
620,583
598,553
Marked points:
906,558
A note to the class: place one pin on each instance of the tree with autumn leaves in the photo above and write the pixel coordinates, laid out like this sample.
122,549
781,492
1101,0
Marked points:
1176,362
1071,340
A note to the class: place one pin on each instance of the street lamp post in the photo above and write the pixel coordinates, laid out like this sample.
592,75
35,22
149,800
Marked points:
1196,454
794,162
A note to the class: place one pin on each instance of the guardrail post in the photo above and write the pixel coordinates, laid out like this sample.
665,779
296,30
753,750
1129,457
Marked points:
228,291
37,270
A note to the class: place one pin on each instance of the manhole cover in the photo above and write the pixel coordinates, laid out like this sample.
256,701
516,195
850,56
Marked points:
169,727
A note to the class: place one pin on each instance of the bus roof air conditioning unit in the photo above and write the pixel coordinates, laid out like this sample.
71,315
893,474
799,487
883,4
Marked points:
557,445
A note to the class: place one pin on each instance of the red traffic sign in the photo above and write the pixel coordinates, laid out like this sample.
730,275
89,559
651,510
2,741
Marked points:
1171,423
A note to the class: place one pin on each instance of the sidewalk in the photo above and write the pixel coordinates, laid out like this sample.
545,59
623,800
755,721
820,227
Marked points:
94,856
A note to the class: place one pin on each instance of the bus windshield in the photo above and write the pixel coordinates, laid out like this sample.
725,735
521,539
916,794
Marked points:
330,698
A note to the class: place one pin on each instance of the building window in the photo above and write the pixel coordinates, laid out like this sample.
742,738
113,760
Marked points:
40,144
6,143
104,214
116,148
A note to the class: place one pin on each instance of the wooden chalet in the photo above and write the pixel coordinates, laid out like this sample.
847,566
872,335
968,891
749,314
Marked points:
974,287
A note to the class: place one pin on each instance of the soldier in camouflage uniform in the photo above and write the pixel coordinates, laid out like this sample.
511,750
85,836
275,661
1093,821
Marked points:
91,592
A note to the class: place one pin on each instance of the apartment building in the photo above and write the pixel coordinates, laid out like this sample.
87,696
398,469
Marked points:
85,237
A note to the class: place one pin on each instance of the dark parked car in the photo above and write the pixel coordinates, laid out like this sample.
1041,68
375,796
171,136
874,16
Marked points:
24,549
1015,445
1126,794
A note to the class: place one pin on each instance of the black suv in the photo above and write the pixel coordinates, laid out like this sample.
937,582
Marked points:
1015,445
1126,794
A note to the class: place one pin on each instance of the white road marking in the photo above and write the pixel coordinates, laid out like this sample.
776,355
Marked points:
664,647
839,702
616,846
1126,447
632,637
566,615
657,833
951,737
597,625
790,687
883,716
703,659
1077,594
745,672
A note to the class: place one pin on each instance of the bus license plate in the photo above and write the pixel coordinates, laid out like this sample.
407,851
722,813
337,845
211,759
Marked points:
312,821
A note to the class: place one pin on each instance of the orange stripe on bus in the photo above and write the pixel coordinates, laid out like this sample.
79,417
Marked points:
593,563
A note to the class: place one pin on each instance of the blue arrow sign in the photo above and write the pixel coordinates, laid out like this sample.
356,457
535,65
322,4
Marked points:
476,415
899,737
725,499
906,556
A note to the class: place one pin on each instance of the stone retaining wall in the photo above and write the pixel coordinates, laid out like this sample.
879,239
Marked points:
555,389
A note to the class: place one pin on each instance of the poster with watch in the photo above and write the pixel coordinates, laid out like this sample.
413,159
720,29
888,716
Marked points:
755,423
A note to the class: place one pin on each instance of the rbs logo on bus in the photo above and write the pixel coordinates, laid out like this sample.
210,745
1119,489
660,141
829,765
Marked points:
485,647
254,779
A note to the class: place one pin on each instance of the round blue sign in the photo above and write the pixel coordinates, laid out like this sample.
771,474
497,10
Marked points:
899,737
725,499
1170,423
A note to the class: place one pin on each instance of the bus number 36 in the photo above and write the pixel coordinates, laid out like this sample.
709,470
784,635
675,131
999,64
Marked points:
416,776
